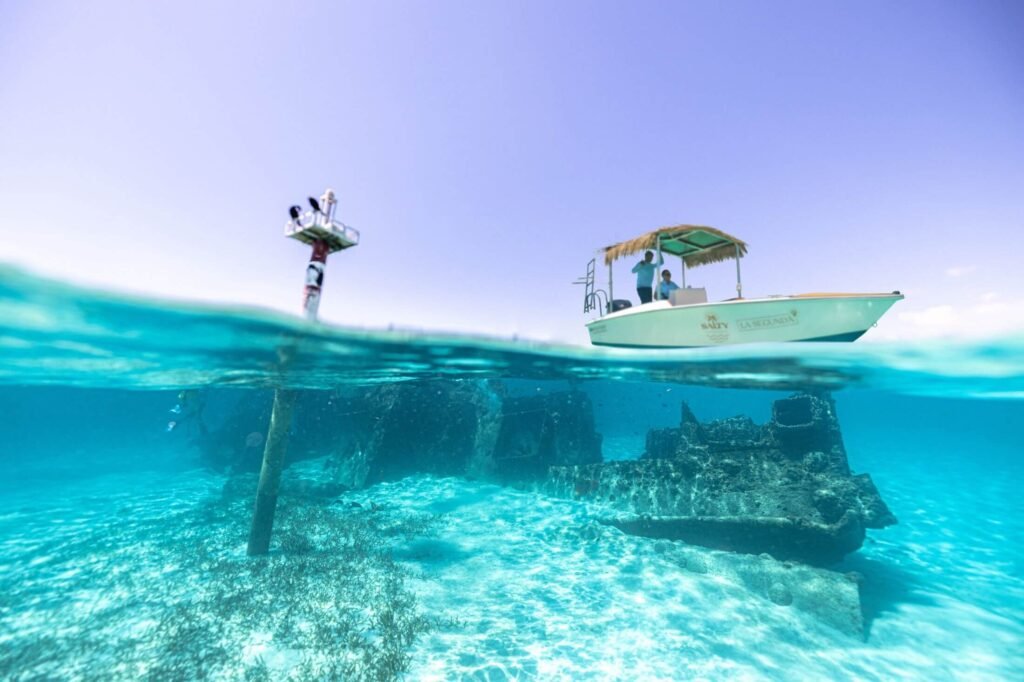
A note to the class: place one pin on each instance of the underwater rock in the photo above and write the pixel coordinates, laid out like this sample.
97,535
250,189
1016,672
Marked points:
229,431
387,431
312,489
780,594
466,428
227,443
783,488
433,427
301,483
537,432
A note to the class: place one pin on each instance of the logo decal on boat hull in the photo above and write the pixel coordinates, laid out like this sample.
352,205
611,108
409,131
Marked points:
716,330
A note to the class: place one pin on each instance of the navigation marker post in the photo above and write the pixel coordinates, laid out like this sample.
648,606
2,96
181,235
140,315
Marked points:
318,228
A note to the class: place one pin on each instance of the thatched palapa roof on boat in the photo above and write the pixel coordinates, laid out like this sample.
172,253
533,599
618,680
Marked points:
697,244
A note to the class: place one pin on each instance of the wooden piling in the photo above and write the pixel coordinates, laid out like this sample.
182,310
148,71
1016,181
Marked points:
270,472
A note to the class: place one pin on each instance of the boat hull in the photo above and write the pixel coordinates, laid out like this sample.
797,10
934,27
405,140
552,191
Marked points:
821,317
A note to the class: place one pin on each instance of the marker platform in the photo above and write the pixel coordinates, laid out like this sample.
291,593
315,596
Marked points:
312,227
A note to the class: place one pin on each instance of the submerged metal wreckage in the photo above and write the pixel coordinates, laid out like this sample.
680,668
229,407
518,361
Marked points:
783,488
777,502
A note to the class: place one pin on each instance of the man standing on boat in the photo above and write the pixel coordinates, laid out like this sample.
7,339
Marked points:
645,276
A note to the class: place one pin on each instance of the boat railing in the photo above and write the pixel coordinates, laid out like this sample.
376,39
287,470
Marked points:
597,301
593,299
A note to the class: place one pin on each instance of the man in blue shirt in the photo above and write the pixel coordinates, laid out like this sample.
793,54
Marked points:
645,276
666,286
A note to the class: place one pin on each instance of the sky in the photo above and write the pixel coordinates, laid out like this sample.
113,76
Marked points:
486,150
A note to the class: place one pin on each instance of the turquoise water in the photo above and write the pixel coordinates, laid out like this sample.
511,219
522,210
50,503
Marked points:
122,539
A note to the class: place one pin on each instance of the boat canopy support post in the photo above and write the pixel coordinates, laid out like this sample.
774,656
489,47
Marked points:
739,281
657,273
319,229
682,272
611,290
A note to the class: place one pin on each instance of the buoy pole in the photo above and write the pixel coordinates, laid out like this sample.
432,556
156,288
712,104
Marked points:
270,473
314,279
326,236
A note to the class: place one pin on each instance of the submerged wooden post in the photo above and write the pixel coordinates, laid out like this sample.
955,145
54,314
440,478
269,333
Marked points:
270,472
280,421
326,235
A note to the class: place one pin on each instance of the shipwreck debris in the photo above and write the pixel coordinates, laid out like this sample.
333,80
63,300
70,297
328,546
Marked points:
783,488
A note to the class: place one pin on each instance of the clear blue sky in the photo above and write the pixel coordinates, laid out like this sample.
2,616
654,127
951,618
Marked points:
486,149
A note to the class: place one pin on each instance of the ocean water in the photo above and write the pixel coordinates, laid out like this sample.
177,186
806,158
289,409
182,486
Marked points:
130,431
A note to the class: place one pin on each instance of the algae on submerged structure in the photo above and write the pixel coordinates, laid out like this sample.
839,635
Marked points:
783,488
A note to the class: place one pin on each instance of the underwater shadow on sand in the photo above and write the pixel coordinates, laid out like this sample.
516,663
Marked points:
445,505
885,587
430,551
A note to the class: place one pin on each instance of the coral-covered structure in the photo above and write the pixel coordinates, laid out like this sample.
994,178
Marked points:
783,488
467,428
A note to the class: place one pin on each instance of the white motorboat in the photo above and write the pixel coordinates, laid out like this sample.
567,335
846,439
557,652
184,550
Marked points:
687,319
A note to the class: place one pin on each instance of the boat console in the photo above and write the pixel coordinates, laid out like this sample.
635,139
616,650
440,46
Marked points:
688,296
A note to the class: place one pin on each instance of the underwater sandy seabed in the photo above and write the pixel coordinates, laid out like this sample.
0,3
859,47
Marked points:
144,575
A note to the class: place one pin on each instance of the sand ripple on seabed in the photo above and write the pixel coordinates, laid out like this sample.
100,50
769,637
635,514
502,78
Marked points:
526,587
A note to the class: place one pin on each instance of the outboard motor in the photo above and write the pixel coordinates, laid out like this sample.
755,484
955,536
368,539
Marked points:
620,304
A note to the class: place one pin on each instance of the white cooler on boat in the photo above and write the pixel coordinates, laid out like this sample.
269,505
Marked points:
688,296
